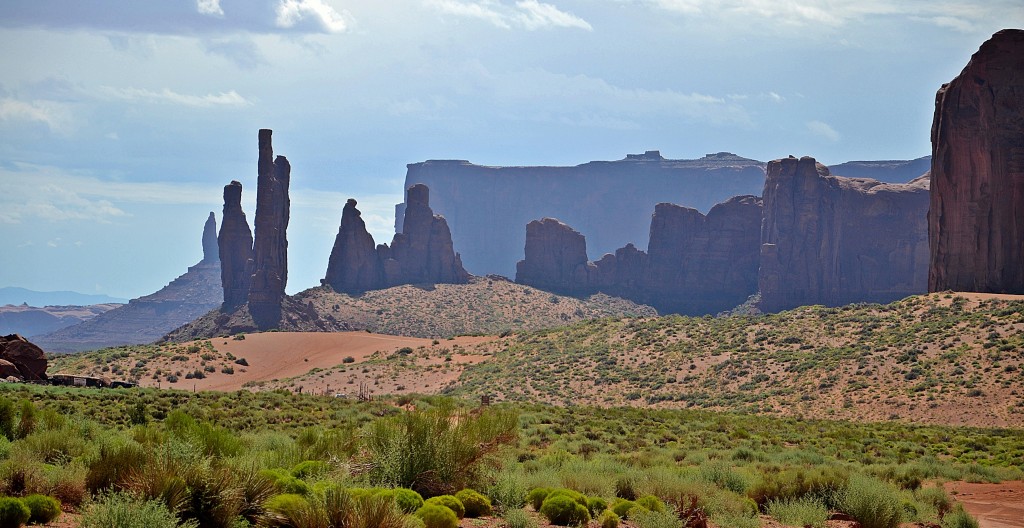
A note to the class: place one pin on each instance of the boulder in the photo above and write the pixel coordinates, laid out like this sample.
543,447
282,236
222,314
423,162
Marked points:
27,358
976,220
235,248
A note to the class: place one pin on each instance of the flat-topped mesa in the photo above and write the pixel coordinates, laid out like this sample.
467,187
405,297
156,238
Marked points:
421,254
211,253
353,266
235,248
832,240
976,219
270,243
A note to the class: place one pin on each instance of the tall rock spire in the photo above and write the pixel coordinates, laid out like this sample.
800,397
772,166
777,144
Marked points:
235,248
270,244
353,266
211,253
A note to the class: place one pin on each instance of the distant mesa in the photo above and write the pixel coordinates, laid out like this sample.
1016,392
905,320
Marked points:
813,239
31,321
147,318
421,253
976,220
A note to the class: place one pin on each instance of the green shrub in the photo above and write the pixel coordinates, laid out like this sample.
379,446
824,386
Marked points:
476,504
561,510
121,510
508,491
44,509
13,512
309,468
872,503
536,497
621,507
625,488
450,502
958,518
286,504
936,497
808,511
116,461
653,519
651,503
576,496
827,484
437,516
407,500
609,519
518,518
596,505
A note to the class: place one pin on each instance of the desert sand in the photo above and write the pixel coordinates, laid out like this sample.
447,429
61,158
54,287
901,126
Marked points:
994,505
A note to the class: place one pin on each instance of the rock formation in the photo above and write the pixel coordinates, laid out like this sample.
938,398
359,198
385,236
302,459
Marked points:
353,266
31,321
976,220
609,202
891,171
235,248
211,252
695,264
833,240
21,359
422,253
270,244
150,317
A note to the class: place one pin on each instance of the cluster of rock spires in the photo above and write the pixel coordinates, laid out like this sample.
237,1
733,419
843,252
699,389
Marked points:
254,270
976,220
813,239
421,253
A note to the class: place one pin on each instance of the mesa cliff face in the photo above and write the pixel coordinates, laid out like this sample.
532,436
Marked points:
270,243
695,264
148,318
422,253
609,202
833,240
976,220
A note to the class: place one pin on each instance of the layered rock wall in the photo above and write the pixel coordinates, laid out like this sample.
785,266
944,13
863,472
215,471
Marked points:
833,240
976,221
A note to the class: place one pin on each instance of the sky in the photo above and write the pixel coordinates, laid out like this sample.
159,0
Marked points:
121,120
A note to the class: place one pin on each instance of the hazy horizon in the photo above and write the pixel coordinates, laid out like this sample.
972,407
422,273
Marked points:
122,121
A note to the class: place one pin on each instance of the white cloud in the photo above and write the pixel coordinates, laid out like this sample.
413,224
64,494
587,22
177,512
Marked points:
291,12
824,130
32,193
56,116
209,7
526,14
230,98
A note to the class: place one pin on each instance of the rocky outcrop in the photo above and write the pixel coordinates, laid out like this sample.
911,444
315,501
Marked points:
353,266
270,244
235,248
609,202
976,220
211,252
832,240
422,253
695,264
556,259
22,359
145,319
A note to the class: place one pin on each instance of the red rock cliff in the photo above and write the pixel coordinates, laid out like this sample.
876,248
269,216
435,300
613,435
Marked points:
976,220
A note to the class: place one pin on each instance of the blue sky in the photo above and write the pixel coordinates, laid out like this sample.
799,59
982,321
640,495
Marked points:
120,120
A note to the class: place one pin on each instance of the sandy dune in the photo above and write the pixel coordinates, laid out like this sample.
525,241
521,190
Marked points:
277,355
